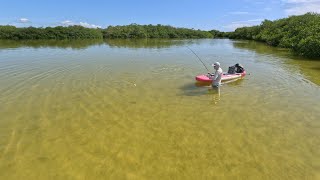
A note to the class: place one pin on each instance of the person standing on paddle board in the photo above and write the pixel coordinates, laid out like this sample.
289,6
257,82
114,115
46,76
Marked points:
216,80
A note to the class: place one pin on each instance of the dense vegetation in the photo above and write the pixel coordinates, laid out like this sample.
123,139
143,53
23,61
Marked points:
59,32
112,32
299,33
219,34
152,31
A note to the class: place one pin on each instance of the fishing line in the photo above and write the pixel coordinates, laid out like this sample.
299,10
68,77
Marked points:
198,58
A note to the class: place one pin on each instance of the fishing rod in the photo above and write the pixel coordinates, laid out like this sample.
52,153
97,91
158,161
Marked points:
198,58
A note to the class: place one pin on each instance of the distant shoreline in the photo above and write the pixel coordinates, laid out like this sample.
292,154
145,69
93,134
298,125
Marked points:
301,33
132,31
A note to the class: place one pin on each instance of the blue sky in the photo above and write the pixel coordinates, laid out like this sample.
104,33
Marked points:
224,15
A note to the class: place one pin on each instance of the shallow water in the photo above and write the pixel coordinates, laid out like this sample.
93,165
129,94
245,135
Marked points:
130,109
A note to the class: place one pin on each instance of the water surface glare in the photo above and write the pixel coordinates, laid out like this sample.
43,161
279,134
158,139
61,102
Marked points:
130,109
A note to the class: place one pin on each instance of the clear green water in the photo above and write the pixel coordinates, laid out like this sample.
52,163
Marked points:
124,109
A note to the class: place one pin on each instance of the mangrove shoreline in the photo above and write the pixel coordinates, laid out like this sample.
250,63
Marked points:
301,33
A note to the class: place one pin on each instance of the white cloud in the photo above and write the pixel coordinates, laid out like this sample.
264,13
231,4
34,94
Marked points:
67,23
233,26
23,20
300,1
255,20
238,24
84,24
299,7
303,10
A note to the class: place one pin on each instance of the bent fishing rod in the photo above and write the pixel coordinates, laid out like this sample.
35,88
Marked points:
198,58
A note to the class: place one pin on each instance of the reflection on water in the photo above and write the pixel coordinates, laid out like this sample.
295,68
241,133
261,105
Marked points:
82,44
132,110
145,43
74,44
261,48
310,68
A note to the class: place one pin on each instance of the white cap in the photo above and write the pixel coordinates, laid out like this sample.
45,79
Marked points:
216,64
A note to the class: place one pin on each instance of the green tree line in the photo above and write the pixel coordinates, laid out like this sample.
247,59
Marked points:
59,32
112,32
152,31
299,33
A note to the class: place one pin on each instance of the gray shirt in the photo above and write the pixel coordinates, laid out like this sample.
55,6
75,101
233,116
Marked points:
216,81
